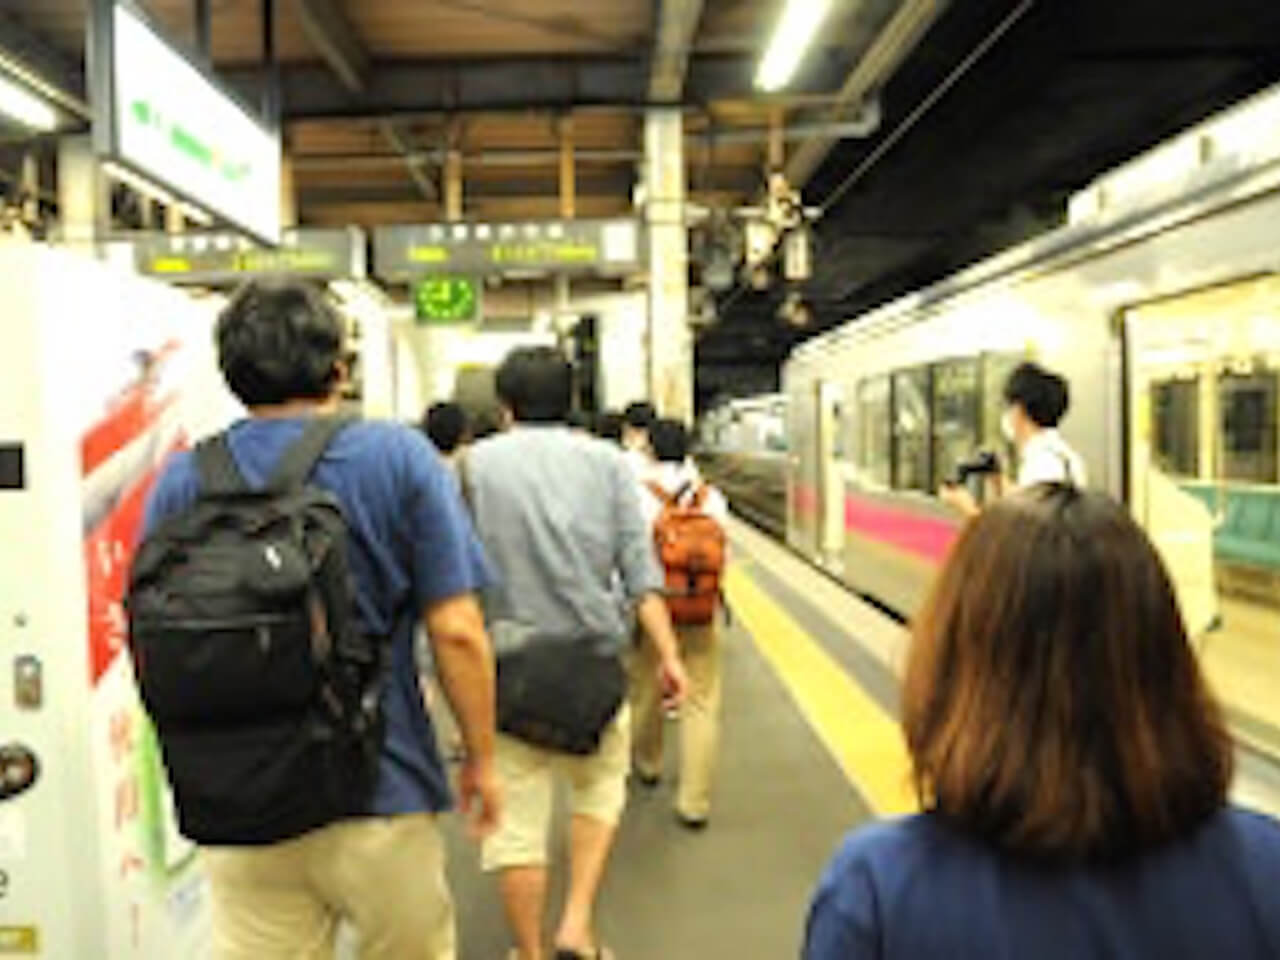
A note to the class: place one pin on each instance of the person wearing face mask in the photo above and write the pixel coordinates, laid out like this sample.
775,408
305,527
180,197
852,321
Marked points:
1036,400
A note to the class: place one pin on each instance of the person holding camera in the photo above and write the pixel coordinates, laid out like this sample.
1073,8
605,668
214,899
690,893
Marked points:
1036,400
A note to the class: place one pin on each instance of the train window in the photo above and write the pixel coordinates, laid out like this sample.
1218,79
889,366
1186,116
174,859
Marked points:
911,430
874,452
1175,427
996,368
1248,409
957,427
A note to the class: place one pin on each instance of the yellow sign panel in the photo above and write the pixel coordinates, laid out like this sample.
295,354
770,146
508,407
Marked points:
429,255
20,940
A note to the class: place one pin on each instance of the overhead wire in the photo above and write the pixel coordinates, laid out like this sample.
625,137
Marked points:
915,116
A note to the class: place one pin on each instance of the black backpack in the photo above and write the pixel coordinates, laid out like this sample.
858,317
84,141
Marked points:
242,624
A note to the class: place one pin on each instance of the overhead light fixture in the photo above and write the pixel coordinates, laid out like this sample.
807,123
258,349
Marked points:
791,38
26,108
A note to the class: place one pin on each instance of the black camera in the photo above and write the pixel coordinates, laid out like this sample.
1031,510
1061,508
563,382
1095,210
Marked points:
984,463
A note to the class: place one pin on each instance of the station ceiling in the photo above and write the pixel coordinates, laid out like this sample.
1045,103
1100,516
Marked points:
992,113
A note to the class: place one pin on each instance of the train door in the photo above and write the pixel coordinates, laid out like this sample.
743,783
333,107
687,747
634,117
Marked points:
1204,384
830,486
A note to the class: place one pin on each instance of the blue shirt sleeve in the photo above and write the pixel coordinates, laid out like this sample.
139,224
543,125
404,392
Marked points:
635,557
174,491
843,922
447,558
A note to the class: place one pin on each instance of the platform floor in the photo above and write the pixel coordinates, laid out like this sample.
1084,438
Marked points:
811,748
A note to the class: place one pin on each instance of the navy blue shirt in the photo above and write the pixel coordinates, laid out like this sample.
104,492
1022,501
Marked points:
411,545
915,889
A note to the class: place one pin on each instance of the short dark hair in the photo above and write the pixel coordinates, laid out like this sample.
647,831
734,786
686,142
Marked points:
279,340
1052,704
536,384
640,415
669,440
609,426
1043,394
447,426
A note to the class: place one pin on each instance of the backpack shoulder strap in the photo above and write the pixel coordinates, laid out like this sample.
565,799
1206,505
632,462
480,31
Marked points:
216,467
700,494
656,489
300,459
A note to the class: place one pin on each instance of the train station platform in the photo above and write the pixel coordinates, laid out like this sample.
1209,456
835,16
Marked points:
810,749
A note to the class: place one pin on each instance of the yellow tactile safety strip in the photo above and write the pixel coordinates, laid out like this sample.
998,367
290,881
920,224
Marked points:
865,742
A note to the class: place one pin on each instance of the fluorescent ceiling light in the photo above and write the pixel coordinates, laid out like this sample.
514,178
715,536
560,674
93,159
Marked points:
791,38
25,107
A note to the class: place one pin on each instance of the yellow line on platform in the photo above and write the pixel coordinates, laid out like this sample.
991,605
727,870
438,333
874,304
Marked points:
865,742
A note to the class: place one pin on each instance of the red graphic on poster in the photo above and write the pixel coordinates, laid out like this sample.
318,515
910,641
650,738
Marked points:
121,443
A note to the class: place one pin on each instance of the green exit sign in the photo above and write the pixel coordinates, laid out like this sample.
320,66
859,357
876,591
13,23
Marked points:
447,299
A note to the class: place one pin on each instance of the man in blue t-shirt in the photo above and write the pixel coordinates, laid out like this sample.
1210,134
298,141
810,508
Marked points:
413,555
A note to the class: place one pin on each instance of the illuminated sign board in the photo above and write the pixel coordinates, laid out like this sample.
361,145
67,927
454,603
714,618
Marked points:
446,299
163,118
563,246
221,259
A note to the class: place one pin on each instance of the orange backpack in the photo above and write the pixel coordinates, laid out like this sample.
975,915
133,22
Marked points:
691,548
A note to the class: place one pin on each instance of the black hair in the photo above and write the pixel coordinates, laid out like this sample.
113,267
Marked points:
609,426
278,341
669,440
1043,394
536,384
447,425
640,415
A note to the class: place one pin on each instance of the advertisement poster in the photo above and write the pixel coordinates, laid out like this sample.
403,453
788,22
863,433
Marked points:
154,893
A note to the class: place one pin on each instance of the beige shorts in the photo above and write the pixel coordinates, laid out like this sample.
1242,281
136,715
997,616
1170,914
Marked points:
597,788
384,875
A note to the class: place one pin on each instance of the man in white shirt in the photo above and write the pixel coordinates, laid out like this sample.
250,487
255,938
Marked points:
1036,401
676,476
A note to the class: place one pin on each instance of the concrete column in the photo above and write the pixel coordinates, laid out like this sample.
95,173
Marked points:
30,184
670,339
174,221
84,198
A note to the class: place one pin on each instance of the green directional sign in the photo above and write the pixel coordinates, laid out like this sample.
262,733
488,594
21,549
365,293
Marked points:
447,298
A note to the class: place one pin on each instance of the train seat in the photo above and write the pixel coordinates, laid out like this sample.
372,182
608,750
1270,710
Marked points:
1249,532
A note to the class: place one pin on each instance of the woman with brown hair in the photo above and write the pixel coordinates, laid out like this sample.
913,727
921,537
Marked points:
1071,763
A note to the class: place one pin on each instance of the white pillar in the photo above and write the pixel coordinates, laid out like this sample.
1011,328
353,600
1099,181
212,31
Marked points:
84,202
670,338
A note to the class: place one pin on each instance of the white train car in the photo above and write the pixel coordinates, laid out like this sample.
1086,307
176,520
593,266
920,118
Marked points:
1160,303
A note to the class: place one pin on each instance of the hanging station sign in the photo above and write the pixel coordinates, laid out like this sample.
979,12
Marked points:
559,246
221,259
161,117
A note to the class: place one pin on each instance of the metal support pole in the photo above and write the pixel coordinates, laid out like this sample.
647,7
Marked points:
271,65
568,173
204,30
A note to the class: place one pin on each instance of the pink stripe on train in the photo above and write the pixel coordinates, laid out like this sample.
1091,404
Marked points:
915,533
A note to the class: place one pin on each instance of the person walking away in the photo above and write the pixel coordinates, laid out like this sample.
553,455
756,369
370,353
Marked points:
559,514
449,429
292,725
1071,763
688,517
636,421
1036,401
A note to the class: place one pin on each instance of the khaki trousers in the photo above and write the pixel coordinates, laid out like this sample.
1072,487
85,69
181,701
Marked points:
385,875
699,716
